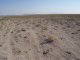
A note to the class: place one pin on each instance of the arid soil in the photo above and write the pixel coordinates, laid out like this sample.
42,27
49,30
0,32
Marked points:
40,37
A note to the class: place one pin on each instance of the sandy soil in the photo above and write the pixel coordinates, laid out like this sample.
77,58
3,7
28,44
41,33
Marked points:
42,37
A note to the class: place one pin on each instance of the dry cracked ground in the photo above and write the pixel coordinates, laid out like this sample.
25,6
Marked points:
40,37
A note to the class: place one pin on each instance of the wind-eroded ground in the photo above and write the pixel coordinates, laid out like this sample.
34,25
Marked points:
42,37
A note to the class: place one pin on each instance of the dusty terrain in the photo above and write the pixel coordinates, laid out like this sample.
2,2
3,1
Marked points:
42,37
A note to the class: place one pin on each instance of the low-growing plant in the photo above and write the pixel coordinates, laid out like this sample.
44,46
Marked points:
49,40
45,52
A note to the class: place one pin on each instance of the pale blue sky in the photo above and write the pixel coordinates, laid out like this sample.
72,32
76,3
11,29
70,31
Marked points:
21,7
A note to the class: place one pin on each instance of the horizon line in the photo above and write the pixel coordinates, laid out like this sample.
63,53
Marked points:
41,14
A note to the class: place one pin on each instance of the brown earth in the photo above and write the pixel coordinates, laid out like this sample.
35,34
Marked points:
40,37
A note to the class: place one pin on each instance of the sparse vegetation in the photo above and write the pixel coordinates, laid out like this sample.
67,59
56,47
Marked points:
68,52
0,45
23,29
37,25
16,51
39,38
45,52
49,40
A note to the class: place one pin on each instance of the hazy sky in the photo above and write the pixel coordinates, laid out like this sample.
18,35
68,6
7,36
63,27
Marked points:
16,7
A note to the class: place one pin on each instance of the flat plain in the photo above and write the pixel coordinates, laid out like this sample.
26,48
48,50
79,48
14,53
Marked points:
40,37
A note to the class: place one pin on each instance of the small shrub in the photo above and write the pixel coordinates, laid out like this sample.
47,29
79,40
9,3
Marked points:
49,40
68,52
45,52
37,25
0,45
23,29
16,51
